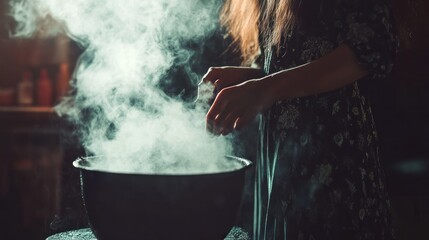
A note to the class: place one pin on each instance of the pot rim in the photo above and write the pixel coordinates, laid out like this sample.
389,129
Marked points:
83,164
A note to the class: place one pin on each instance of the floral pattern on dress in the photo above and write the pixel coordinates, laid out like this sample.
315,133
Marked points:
319,174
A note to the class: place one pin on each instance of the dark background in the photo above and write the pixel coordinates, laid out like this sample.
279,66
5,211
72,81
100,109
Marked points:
39,189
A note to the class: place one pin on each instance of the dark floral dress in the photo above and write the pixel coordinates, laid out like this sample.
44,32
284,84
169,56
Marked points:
318,172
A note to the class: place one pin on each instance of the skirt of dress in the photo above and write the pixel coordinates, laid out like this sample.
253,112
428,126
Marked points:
318,173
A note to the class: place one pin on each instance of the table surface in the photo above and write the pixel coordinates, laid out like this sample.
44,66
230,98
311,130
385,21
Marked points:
79,234
86,234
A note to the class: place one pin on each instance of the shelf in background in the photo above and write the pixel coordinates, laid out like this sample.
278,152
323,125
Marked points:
28,119
37,110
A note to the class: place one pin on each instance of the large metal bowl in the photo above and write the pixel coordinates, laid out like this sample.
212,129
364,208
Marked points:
157,206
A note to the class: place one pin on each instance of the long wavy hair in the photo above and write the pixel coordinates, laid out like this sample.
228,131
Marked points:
248,20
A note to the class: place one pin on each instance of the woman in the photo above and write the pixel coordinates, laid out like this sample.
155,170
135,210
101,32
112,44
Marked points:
318,172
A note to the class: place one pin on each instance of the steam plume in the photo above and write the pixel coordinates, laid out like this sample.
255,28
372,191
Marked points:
130,45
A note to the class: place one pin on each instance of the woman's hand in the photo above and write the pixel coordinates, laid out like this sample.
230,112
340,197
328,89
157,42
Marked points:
236,106
223,77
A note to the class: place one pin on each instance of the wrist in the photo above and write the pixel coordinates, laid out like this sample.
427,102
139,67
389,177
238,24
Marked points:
268,89
279,85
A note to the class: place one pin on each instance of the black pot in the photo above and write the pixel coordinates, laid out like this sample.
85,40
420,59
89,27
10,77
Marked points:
152,206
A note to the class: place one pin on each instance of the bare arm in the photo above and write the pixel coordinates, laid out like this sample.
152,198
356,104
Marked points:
237,105
332,71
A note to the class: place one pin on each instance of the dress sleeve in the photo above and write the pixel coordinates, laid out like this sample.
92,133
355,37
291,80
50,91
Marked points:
367,26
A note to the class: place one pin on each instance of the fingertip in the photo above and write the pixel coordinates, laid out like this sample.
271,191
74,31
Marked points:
211,75
238,124
210,128
209,118
226,132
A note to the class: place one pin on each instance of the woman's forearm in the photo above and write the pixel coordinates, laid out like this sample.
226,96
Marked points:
332,71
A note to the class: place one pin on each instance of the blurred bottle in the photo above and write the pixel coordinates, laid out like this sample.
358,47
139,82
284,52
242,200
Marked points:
63,79
26,90
44,89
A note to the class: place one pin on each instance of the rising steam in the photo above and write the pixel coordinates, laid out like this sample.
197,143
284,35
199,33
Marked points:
130,46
